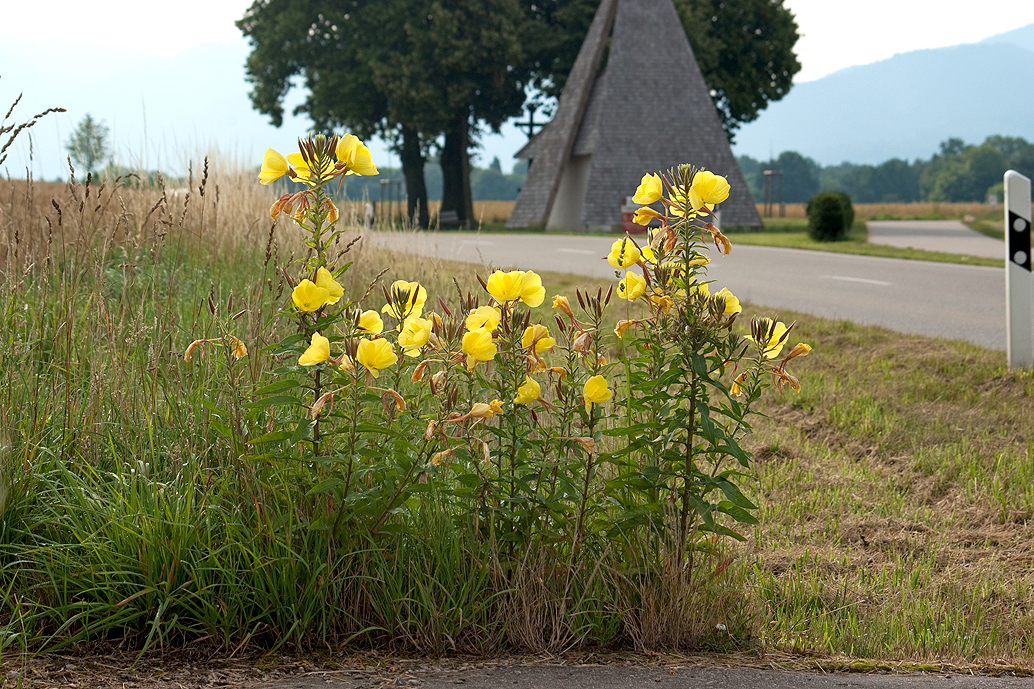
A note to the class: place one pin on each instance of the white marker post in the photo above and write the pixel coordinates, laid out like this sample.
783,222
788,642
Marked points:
1019,286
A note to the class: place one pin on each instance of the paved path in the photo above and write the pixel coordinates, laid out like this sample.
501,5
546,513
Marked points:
639,677
938,299
949,236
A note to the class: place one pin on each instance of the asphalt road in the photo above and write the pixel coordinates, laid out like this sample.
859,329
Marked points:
957,302
934,235
637,677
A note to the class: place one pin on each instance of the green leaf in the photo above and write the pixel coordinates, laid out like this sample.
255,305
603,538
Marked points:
271,437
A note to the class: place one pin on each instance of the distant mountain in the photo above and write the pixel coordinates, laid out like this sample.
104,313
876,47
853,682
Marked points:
903,107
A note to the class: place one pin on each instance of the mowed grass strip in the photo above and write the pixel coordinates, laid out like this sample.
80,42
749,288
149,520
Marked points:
897,494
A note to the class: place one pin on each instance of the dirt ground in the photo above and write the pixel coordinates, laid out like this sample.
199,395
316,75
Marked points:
196,670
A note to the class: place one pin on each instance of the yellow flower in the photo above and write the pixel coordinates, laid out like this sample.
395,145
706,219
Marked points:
631,287
644,215
732,304
478,345
622,326
799,349
649,190
662,302
408,299
538,335
332,212
560,302
480,410
505,287
529,391
710,188
354,154
596,391
308,296
240,351
306,174
334,289
686,203
699,291
699,259
318,351
735,390
773,335
516,284
486,317
371,322
532,291
375,355
274,166
624,253
414,334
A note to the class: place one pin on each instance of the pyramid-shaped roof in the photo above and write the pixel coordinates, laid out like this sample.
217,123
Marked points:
648,110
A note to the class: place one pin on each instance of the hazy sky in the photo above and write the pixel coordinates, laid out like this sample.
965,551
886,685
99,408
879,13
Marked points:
834,34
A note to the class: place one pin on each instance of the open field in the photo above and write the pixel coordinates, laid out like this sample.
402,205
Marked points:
896,491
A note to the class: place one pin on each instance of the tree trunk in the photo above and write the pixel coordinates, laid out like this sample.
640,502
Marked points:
455,163
413,170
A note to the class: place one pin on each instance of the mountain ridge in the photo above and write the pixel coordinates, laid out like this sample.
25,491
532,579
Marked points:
903,106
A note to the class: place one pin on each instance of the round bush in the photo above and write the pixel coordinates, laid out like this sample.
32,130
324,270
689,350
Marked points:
830,216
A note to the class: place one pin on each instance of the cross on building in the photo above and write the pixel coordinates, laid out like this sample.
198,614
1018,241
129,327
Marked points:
529,126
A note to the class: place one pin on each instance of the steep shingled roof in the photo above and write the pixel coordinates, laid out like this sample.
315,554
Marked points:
649,110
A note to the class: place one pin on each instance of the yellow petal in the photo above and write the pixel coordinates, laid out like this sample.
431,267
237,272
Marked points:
274,166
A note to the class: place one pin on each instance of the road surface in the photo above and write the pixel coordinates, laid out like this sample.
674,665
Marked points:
957,302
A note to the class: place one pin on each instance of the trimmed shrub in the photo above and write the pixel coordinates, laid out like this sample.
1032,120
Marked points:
830,216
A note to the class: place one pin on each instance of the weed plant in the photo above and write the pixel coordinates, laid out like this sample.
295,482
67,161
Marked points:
206,436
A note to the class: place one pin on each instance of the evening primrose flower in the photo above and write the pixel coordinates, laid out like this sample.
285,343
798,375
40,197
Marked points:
649,190
560,302
516,284
414,334
735,390
326,280
355,155
532,291
631,287
645,214
274,166
308,296
538,335
240,351
370,321
305,174
318,351
480,410
376,355
596,391
624,253
478,345
768,337
622,326
407,299
710,188
486,317
529,391
732,304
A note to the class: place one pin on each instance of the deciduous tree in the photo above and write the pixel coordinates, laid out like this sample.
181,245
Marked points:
88,144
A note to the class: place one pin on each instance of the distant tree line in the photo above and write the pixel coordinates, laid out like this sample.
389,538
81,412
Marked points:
487,184
959,172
